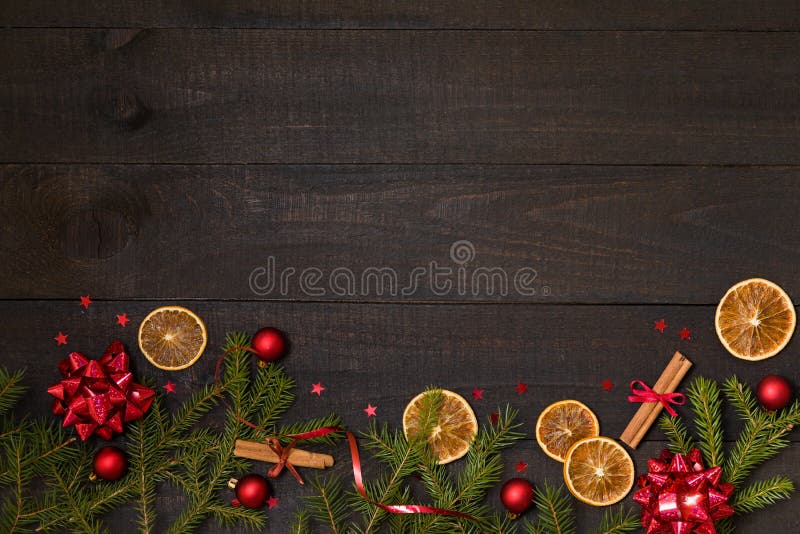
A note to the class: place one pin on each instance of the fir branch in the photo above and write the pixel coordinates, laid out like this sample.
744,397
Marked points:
618,521
313,424
483,470
328,505
402,457
762,494
301,523
680,442
706,402
763,436
11,389
556,513
742,399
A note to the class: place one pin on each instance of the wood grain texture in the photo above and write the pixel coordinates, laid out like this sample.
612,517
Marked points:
496,14
386,353
248,96
592,234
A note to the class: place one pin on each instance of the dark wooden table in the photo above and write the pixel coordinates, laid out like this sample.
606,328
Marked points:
633,161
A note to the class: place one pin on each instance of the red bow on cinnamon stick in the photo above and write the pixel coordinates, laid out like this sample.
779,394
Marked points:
646,394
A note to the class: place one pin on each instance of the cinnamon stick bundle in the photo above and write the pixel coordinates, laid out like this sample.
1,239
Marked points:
647,413
297,457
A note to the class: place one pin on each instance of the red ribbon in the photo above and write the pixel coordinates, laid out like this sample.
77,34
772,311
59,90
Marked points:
393,508
645,394
283,456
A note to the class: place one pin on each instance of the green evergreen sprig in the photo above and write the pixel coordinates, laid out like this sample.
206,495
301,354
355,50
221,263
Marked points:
349,513
178,448
706,403
555,511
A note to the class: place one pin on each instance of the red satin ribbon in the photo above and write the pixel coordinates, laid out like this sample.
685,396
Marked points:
645,394
283,455
393,508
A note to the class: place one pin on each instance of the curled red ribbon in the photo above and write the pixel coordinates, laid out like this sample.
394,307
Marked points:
646,394
393,508
283,455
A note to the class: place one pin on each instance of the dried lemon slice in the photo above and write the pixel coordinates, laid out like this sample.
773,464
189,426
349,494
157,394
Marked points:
455,428
172,337
755,319
598,471
562,424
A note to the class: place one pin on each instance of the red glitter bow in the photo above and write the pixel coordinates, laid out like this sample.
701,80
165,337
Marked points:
646,394
680,496
98,396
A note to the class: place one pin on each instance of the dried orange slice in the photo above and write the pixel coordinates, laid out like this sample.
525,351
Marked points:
755,319
562,424
172,337
455,428
598,471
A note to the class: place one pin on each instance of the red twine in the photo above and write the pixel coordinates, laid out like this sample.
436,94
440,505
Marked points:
646,394
283,455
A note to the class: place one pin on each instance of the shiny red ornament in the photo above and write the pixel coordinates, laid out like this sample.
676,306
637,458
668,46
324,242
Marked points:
680,496
110,463
774,392
98,396
517,495
252,491
269,344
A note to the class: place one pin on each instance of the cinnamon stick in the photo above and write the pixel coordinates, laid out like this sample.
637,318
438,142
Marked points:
297,457
647,413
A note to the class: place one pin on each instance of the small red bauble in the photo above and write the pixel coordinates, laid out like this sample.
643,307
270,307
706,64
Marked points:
517,495
252,491
110,463
774,392
269,344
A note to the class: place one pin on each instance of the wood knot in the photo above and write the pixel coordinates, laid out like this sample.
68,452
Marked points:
126,110
114,39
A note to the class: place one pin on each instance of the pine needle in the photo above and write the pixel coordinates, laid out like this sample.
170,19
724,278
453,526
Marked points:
762,494
680,442
706,402
556,511
618,521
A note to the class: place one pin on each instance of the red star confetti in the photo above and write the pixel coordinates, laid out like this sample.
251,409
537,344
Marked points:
272,502
494,417
170,387
608,385
685,333
122,320
521,466
370,410
85,301
661,325
61,339
318,388
522,388
477,394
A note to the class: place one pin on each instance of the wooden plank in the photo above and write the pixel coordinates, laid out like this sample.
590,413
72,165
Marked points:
387,353
248,96
592,234
497,14
384,354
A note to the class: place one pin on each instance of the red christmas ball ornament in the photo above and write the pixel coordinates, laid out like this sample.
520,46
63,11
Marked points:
269,344
252,491
517,495
774,392
109,463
